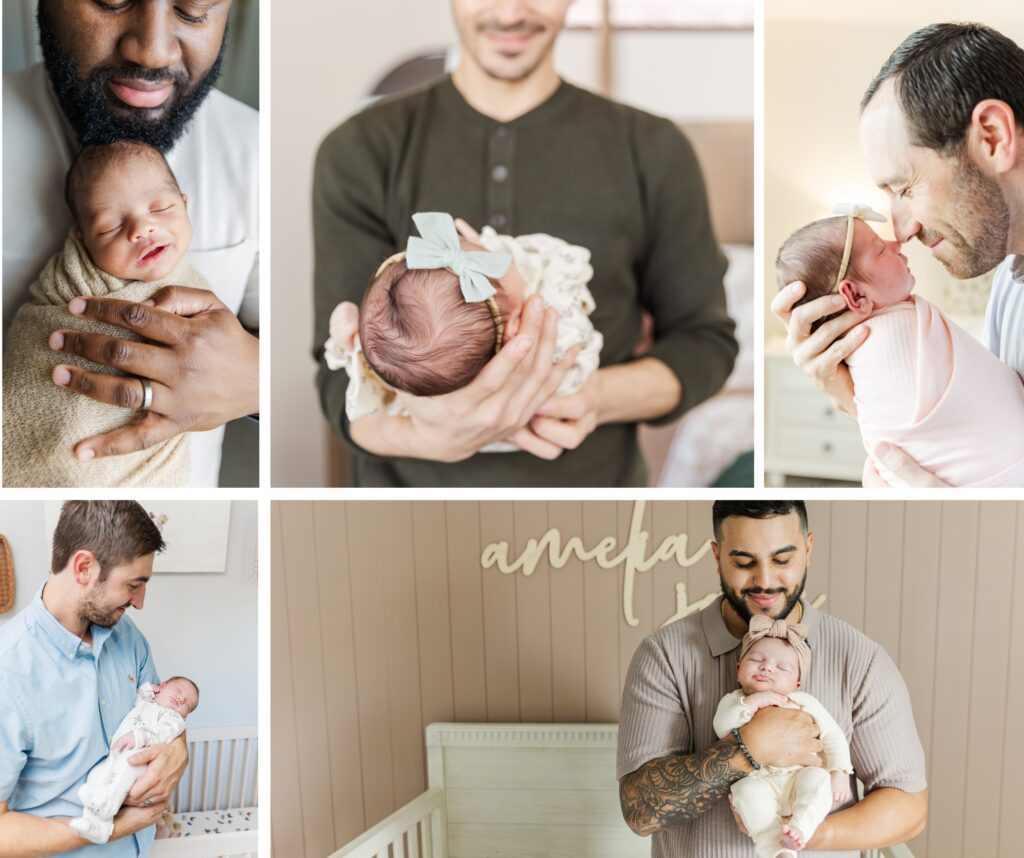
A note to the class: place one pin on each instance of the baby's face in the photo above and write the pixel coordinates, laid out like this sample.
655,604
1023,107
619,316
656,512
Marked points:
888,280
771,665
133,220
177,694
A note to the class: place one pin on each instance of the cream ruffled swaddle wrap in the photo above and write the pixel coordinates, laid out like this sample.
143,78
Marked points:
42,421
923,383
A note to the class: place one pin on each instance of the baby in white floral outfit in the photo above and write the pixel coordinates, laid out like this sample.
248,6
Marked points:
157,717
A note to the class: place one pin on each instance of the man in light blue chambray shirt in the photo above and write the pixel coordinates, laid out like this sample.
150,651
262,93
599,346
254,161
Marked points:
70,665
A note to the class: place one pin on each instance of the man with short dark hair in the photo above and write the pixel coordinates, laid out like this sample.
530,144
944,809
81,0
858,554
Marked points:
674,772
942,130
143,71
505,142
70,665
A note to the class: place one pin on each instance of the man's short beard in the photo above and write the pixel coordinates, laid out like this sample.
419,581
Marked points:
741,609
979,201
86,103
105,618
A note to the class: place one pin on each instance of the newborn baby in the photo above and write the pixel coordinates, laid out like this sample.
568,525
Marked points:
129,239
774,657
920,381
157,717
426,330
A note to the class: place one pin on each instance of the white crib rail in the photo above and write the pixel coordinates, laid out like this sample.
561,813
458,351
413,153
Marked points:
417,830
890,852
221,772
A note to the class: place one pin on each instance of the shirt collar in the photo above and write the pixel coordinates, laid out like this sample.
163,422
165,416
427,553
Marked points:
450,96
720,639
68,644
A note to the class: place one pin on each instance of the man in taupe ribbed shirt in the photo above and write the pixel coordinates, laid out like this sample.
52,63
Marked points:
674,773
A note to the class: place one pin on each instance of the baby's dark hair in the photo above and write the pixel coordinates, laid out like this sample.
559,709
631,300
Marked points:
813,255
94,157
418,332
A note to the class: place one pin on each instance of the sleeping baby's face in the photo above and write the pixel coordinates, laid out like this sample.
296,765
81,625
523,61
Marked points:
177,694
770,665
132,219
886,276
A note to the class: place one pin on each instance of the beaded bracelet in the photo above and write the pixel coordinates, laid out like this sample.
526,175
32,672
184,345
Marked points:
743,747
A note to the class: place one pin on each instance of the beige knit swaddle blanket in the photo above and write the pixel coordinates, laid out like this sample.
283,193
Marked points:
42,421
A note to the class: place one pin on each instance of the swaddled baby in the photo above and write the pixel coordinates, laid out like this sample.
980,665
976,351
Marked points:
130,237
920,381
774,659
434,316
157,717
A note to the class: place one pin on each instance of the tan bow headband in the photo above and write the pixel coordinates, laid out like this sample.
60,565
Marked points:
765,627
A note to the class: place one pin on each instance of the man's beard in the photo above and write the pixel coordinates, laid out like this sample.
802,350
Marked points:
740,607
106,618
86,103
979,202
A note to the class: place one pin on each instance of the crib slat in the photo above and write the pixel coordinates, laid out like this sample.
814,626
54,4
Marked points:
398,847
191,800
245,770
216,775
414,840
255,778
438,834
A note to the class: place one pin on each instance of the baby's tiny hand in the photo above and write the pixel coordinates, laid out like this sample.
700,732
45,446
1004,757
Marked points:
841,792
761,699
344,324
125,742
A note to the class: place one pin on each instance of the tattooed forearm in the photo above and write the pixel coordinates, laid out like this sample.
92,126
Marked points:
670,790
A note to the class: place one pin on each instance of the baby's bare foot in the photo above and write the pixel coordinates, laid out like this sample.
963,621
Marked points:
792,838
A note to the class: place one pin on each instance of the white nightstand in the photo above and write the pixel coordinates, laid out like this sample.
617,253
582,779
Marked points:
804,435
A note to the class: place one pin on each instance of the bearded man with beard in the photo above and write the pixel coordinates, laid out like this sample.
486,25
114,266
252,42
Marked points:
70,665
675,774
505,142
144,70
942,131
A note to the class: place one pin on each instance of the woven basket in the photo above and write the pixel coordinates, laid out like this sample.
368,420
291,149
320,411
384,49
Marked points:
6,576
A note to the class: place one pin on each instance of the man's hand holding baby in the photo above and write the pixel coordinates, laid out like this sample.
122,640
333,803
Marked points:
821,354
165,765
130,820
782,737
202,363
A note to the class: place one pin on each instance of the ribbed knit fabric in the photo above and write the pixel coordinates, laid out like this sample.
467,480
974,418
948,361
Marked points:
42,422
679,674
923,383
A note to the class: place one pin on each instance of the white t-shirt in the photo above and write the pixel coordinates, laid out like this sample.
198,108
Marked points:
1004,316
216,163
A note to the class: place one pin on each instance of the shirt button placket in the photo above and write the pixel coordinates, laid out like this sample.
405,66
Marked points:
498,180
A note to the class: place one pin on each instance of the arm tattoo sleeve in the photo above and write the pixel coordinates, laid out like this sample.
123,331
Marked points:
671,790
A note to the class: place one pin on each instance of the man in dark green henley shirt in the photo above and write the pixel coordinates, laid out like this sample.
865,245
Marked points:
504,141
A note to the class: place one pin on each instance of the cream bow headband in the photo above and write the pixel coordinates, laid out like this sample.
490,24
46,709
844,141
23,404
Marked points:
853,211
765,627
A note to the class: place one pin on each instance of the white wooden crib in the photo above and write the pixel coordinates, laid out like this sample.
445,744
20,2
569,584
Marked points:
516,791
215,802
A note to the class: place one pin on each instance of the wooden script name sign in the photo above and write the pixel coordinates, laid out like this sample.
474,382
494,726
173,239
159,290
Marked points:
607,554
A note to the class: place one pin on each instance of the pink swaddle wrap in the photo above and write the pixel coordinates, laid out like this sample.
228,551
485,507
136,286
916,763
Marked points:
922,383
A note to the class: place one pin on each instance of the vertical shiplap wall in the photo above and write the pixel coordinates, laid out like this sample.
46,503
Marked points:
383,622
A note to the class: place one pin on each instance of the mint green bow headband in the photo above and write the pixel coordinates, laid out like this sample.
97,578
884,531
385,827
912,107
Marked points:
439,248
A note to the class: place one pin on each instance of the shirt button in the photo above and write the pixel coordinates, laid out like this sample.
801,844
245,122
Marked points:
103,703
499,173
498,221
501,132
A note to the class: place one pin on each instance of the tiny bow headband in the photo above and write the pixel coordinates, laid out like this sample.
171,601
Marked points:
853,211
765,627
439,248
